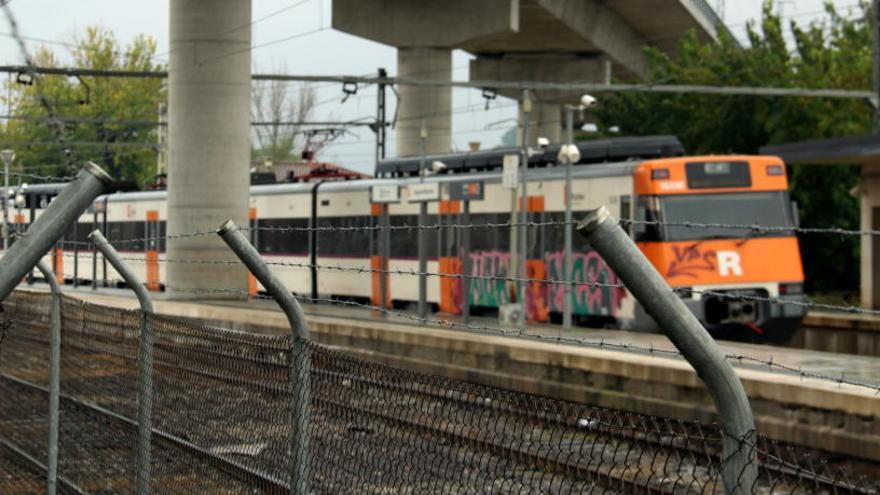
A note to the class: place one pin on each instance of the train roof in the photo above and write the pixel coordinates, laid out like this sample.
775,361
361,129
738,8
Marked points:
621,168
592,152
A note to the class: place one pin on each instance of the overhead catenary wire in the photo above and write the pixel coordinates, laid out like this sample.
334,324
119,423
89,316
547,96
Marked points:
254,22
59,131
70,119
481,84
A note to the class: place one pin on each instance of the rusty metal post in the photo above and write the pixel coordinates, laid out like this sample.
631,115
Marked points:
301,362
145,361
739,468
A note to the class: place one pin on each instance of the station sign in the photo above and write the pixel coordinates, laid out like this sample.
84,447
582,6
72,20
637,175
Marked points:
385,193
423,191
510,171
467,191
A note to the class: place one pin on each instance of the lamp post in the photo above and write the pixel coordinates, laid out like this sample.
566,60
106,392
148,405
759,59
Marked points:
518,266
19,202
569,154
422,235
8,157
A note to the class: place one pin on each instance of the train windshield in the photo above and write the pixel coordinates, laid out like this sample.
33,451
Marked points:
713,216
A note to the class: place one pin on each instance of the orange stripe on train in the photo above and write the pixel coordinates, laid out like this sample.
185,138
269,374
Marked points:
734,261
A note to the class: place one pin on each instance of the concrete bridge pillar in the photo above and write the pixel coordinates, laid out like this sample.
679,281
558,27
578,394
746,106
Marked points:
208,140
431,105
425,33
546,119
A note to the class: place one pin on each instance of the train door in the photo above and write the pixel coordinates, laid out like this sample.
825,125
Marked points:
151,249
537,309
379,249
449,261
254,238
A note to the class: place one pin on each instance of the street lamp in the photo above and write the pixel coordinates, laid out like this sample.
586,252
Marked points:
569,154
8,157
20,202
421,234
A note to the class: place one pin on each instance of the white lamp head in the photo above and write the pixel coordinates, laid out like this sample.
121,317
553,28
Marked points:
589,101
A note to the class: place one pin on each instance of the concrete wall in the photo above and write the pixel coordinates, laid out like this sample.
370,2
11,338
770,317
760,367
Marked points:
437,23
208,138
546,119
424,104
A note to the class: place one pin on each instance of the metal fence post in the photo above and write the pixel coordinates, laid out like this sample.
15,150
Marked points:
145,361
567,301
94,254
739,469
422,235
466,268
301,364
21,257
54,376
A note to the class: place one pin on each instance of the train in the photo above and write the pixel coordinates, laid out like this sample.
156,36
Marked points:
353,239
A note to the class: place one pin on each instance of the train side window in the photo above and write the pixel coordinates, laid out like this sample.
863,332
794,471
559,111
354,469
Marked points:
647,212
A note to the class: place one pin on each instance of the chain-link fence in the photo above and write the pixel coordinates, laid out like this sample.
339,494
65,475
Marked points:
222,415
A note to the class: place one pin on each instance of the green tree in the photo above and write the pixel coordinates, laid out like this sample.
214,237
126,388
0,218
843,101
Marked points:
115,116
831,53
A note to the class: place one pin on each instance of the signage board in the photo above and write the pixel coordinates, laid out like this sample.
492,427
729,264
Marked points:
385,193
423,191
510,171
467,191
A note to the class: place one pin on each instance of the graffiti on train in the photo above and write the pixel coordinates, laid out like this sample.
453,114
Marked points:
600,298
491,289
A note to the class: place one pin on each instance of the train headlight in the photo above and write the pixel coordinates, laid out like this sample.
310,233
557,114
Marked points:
791,289
660,174
775,170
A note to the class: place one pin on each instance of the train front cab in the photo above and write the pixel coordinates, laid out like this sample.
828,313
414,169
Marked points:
692,216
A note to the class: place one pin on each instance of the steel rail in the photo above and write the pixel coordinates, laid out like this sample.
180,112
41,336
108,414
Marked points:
231,467
33,461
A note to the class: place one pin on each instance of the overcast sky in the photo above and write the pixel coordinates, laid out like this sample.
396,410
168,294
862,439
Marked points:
322,51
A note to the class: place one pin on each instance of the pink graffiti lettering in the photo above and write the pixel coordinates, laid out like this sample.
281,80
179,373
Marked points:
593,294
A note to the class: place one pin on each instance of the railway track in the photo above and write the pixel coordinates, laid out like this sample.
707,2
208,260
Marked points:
200,355
164,439
586,456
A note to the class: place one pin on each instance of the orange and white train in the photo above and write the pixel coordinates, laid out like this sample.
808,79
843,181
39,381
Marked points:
692,216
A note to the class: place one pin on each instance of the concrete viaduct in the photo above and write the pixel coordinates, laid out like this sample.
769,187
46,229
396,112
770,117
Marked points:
513,40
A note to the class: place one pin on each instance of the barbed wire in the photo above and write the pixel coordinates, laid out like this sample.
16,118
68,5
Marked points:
756,228
367,270
751,227
44,178
495,225
732,294
136,240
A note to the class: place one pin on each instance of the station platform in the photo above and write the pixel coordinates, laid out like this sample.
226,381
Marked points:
856,334
608,368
